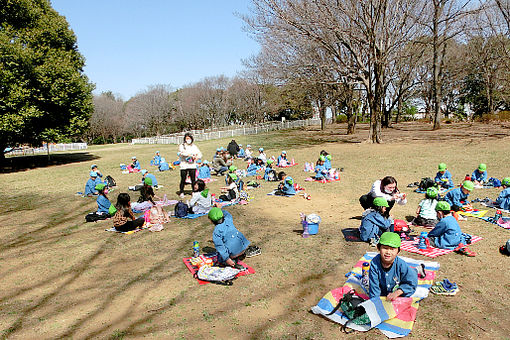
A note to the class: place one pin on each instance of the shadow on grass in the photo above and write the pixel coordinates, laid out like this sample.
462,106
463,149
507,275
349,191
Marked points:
22,163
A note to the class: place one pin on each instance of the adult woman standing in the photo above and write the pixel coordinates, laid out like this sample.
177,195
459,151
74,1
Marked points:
386,188
188,155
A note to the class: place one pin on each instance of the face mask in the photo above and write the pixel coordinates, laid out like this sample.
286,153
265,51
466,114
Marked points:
388,191
188,141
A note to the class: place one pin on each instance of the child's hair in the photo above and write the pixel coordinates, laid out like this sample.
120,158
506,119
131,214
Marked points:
123,202
187,134
379,247
379,210
200,184
281,174
324,153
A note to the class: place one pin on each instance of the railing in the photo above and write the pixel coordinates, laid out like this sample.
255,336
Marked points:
23,151
225,132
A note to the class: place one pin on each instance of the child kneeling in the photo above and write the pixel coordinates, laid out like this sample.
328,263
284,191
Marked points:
375,222
426,212
389,275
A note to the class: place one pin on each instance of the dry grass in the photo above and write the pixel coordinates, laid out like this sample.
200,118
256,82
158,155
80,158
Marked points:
64,278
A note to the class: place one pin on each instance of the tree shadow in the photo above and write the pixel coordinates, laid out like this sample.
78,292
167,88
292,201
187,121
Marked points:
22,163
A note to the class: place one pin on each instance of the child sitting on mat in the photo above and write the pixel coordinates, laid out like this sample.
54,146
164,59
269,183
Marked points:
426,212
321,173
90,186
156,160
389,275
231,191
252,168
163,165
103,203
204,172
241,153
124,212
479,176
327,159
282,160
458,196
200,202
447,234
229,242
375,222
269,173
134,166
146,192
503,200
443,177
286,187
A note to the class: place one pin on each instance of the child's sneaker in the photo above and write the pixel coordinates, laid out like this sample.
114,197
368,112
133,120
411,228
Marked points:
252,251
463,249
441,289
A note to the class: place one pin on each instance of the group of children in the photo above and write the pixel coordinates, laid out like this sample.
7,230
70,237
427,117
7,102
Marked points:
444,180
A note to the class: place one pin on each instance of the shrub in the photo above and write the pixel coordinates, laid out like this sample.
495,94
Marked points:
341,119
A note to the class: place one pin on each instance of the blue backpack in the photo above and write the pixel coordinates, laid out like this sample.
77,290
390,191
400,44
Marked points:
495,182
181,209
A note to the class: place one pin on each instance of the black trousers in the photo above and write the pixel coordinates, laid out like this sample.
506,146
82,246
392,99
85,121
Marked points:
131,225
184,174
367,202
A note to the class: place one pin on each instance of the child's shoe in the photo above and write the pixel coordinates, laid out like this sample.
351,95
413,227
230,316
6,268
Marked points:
439,288
463,249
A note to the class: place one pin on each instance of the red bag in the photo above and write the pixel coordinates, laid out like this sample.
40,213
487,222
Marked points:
400,226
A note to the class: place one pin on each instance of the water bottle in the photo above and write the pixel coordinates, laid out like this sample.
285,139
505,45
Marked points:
364,275
305,229
422,244
498,215
196,249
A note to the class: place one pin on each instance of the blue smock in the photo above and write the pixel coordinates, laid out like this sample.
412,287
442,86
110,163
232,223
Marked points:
327,164
320,171
241,153
252,170
153,179
455,196
444,180
479,176
383,282
90,187
103,204
288,186
163,166
156,160
503,200
204,172
373,224
447,233
228,241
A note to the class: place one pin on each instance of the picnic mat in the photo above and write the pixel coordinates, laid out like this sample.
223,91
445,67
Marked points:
124,232
287,166
272,193
494,206
194,269
208,180
311,179
503,222
191,216
394,319
351,235
473,213
412,247
441,191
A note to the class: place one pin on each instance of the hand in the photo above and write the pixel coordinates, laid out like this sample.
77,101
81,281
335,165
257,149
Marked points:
394,295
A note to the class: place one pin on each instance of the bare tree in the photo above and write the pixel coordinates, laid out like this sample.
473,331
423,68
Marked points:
106,120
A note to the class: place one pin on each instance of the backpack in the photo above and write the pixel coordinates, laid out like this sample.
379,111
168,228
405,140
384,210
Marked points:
426,183
252,184
351,308
110,182
94,217
495,182
181,209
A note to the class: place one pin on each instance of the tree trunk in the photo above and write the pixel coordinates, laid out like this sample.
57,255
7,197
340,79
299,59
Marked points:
399,109
375,102
435,68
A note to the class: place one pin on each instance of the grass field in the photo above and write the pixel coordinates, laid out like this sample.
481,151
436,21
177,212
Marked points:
64,278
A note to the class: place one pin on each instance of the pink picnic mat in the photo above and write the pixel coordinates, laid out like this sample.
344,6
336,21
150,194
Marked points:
412,247
194,269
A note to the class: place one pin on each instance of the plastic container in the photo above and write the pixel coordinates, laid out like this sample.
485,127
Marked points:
196,249
313,228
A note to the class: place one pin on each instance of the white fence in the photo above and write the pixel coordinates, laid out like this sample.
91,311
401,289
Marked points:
22,151
209,134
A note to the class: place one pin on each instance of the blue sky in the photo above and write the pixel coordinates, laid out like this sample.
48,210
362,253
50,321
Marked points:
129,45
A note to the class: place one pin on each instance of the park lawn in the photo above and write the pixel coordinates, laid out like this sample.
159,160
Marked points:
64,278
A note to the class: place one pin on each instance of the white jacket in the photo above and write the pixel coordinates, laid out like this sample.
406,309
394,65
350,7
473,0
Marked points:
199,203
186,151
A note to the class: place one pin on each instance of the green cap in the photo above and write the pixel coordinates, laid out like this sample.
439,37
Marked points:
380,202
482,167
328,157
215,214
506,181
289,180
443,206
441,167
468,185
269,161
147,180
232,168
112,210
204,193
390,239
233,176
432,192
322,158
100,186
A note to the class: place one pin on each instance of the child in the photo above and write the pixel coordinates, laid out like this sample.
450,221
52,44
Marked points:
503,200
443,177
327,159
282,160
103,203
262,156
204,172
219,163
479,176
286,187
120,219
156,160
200,202
249,153
163,165
147,193
252,168
457,197
231,191
427,209
90,186
146,174
447,234
135,165
94,168
389,275
228,241
375,222
241,153
269,173
320,170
